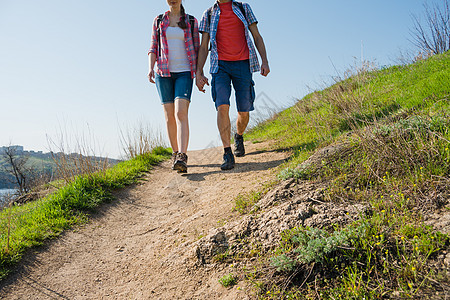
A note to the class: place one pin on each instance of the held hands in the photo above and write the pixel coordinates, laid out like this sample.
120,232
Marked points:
151,76
200,81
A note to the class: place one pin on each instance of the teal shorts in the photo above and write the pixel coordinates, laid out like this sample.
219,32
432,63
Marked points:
177,86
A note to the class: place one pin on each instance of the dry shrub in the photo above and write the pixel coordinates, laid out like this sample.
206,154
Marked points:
410,157
341,101
76,156
403,147
422,56
39,187
432,35
141,139
343,95
68,166
346,96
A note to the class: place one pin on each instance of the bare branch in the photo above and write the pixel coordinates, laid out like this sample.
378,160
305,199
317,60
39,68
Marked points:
16,166
433,35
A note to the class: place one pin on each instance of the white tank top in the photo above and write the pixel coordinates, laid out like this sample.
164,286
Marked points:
178,59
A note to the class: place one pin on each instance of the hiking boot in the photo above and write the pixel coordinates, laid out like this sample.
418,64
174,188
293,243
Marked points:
181,163
174,159
239,149
228,161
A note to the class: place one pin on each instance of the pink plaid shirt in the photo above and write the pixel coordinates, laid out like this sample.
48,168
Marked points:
192,46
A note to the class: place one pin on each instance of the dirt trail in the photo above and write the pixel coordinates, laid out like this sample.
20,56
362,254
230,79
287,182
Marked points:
141,245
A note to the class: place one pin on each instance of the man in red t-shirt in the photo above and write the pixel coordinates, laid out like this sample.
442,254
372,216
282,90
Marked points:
233,60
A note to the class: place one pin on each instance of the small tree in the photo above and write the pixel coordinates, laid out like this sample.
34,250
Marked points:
433,35
15,165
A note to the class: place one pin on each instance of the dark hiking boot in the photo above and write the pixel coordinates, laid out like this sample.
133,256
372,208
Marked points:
239,149
228,161
174,159
181,163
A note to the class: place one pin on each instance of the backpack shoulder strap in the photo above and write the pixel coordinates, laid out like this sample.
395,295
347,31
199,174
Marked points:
239,4
159,20
158,31
241,7
209,13
192,22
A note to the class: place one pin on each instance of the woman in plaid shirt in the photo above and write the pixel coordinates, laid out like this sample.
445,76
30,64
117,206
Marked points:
174,49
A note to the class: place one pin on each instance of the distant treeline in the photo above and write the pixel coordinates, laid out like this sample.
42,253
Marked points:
41,163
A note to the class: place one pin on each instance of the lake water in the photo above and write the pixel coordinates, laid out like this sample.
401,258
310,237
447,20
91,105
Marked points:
3,194
6,192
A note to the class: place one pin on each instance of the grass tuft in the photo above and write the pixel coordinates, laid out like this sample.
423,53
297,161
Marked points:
228,280
246,202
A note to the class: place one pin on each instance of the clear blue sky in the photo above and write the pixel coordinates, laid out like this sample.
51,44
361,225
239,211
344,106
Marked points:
80,66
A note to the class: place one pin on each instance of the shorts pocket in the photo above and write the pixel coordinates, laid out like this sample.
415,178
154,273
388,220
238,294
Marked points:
213,89
252,91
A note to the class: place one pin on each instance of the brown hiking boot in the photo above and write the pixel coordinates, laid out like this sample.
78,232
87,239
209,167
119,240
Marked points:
181,163
174,159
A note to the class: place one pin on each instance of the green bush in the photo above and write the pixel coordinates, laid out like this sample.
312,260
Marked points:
228,280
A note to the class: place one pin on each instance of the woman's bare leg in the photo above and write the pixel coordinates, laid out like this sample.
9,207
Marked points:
182,120
171,124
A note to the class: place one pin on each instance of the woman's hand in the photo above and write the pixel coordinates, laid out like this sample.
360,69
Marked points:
151,76
200,81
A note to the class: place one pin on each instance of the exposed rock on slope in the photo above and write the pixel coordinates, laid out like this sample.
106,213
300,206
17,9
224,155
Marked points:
292,203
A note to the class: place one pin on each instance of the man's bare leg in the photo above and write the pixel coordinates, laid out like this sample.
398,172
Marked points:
242,122
224,124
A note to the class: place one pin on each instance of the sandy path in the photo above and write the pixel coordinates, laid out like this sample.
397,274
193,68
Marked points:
141,245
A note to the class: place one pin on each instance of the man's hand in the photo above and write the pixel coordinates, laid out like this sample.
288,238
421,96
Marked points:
200,81
259,43
265,70
151,76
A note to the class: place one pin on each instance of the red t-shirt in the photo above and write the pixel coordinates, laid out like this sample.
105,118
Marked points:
231,41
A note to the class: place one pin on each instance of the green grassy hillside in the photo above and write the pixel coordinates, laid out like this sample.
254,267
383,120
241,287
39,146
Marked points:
390,130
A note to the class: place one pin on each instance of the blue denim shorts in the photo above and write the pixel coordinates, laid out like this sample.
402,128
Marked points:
238,73
178,85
